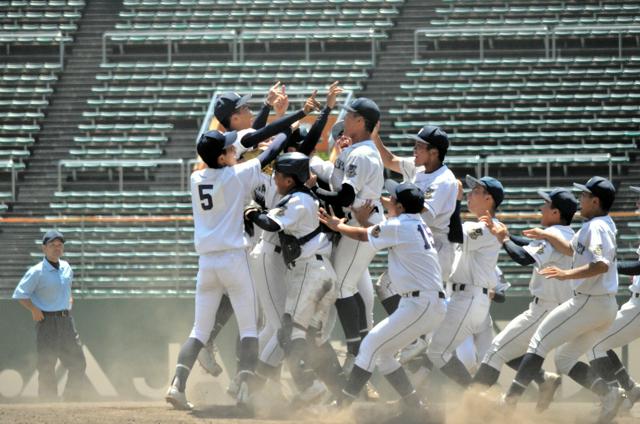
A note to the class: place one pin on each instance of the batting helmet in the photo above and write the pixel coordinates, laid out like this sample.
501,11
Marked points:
294,164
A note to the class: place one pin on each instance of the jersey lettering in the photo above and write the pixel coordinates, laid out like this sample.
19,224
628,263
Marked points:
206,201
425,237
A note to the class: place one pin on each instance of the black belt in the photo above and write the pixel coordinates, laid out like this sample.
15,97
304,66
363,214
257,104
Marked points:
416,293
278,249
64,313
461,287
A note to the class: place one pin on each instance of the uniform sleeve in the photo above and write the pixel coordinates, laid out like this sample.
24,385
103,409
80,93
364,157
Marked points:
601,246
27,285
541,251
289,215
408,169
383,235
249,174
477,236
356,170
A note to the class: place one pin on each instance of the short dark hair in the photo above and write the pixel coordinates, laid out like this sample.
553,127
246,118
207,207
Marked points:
565,218
369,125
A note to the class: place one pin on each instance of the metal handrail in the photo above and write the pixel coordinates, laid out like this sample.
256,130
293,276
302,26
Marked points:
550,33
170,36
8,37
120,164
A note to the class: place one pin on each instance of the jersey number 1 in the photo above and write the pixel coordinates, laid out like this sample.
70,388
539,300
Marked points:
206,201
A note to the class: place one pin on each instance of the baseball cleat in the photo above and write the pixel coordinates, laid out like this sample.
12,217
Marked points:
547,390
611,403
177,399
234,386
632,397
311,394
207,360
370,394
416,348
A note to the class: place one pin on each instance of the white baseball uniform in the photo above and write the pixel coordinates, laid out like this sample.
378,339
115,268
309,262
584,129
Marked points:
625,328
440,189
360,166
578,323
415,274
513,340
473,275
267,270
218,198
311,281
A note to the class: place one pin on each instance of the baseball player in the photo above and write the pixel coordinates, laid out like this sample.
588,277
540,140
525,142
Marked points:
232,110
577,324
427,170
511,344
357,177
472,277
266,260
415,274
219,193
45,290
309,277
624,330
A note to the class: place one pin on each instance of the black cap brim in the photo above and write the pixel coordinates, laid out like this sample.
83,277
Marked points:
473,181
243,100
230,138
581,187
349,109
545,196
417,138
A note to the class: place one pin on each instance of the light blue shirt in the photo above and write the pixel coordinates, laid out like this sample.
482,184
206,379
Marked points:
48,288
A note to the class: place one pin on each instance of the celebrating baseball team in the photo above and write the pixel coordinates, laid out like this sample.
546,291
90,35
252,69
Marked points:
285,239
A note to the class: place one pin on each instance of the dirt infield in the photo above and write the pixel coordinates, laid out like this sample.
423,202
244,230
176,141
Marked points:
157,412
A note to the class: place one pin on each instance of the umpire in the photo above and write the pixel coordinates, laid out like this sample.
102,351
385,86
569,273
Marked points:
45,290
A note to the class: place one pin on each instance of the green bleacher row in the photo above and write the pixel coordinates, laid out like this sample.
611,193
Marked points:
533,123
442,87
160,4
514,99
533,21
275,65
518,74
518,110
540,10
249,76
174,90
42,4
497,62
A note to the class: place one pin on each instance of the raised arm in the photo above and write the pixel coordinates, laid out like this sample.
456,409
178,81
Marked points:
560,244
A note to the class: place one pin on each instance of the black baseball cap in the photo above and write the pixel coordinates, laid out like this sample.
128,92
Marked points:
493,186
408,195
601,188
212,143
635,188
366,108
227,104
52,235
561,199
433,136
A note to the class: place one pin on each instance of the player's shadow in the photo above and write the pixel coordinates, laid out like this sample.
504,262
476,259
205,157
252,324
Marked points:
222,411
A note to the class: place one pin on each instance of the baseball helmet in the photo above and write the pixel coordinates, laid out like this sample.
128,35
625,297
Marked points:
295,164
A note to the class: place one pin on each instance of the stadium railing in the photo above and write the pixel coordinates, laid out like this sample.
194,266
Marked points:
13,168
37,37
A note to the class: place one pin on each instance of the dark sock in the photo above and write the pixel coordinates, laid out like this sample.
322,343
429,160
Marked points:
349,315
357,380
298,365
324,361
529,368
426,362
486,375
605,370
224,313
582,374
456,371
400,382
248,355
186,358
390,304
621,373
362,316
514,364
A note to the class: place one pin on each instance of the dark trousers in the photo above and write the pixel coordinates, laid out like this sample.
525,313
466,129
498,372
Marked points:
57,338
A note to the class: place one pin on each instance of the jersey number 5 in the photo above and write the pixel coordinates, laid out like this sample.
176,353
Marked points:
206,201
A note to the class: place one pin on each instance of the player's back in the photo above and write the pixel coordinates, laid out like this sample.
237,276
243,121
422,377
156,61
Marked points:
218,198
